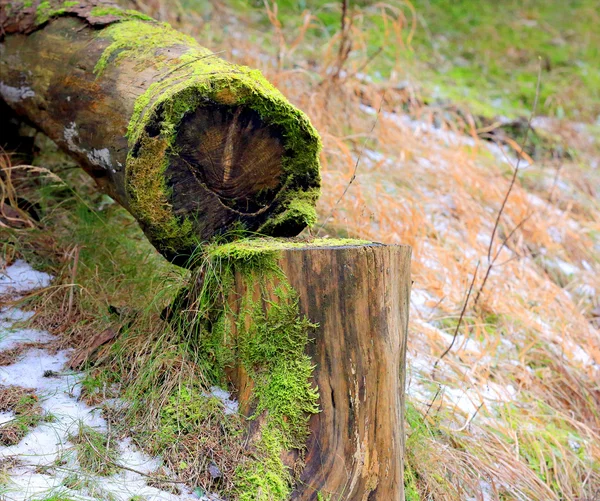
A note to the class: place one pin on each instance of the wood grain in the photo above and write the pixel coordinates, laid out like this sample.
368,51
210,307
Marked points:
359,296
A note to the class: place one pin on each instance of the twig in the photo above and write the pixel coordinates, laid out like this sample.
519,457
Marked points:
460,319
367,62
516,171
464,427
432,401
345,42
492,261
73,279
355,165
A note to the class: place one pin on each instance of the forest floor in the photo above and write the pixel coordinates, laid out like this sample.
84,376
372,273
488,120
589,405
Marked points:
423,109
48,432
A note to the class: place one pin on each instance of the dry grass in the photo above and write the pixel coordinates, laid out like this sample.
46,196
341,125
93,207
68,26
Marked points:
430,182
27,413
513,412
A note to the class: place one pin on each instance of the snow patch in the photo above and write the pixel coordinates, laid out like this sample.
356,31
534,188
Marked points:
471,399
45,458
15,94
12,338
5,417
230,405
422,301
19,277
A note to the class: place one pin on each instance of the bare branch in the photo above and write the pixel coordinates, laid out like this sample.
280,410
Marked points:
355,165
460,319
516,170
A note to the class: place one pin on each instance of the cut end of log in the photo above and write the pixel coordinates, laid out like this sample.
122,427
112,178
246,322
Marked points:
232,153
192,145
219,166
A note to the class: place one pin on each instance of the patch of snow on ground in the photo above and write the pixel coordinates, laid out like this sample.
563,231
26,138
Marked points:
44,457
422,302
230,405
5,417
19,277
10,339
460,342
469,400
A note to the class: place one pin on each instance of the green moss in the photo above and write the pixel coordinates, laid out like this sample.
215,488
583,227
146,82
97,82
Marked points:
100,11
298,208
186,411
260,253
136,38
266,478
46,9
411,490
271,349
200,78
149,198
44,12
267,336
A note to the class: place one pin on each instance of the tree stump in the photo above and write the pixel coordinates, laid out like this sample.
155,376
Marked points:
355,295
189,144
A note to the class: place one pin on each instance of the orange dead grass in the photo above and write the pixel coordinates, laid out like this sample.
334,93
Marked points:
518,410
513,411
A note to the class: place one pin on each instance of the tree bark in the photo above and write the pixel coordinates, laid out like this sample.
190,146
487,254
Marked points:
190,145
359,297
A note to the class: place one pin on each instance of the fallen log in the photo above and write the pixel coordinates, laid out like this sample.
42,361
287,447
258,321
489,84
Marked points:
191,145
312,336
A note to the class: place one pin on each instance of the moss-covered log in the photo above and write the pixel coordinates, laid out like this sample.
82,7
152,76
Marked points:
190,144
312,336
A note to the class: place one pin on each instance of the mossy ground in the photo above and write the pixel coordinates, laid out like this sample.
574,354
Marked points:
476,53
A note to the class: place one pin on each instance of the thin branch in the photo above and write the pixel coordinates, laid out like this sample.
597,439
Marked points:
367,62
465,426
460,319
509,236
355,165
492,263
432,401
516,171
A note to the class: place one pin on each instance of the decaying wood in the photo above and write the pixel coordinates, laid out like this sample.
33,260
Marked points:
191,145
359,297
85,352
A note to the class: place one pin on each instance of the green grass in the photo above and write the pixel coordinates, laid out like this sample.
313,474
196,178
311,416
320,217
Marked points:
482,54
55,497
486,53
94,452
